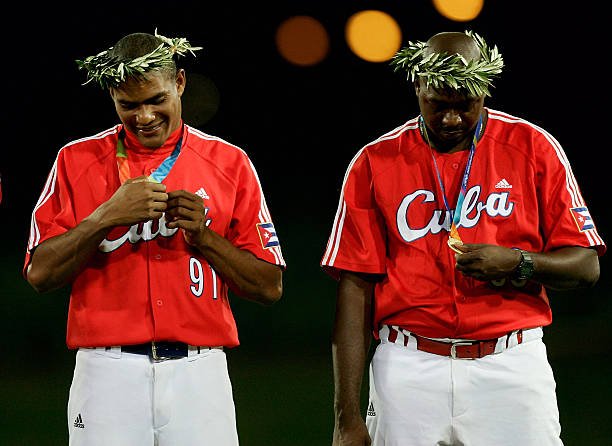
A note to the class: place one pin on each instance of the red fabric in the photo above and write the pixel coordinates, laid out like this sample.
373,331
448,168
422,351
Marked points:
140,287
392,220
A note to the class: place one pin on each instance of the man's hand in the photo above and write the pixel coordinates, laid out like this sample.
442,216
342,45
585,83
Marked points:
355,435
487,262
136,200
186,211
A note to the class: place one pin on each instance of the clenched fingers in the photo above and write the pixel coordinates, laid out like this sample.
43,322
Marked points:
185,210
138,199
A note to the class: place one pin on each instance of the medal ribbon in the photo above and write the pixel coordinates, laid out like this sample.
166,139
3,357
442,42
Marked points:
466,174
158,175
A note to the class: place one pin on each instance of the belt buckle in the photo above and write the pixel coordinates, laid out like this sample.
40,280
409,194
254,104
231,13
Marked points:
154,353
453,349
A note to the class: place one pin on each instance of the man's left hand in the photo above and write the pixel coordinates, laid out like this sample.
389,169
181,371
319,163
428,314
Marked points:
186,211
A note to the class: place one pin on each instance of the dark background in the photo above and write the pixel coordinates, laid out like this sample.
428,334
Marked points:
301,126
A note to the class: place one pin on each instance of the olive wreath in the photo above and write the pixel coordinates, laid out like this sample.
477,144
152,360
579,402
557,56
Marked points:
451,70
108,71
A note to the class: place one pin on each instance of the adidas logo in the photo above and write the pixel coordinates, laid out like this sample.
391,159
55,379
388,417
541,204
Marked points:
78,422
371,412
503,184
202,193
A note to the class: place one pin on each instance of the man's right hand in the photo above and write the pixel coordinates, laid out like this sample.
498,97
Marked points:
355,435
138,199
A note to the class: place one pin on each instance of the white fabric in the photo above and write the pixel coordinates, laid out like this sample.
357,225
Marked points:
423,399
124,399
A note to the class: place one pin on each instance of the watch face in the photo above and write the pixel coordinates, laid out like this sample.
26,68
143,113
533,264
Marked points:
525,268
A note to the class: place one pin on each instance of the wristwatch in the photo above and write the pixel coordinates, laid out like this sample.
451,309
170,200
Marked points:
525,268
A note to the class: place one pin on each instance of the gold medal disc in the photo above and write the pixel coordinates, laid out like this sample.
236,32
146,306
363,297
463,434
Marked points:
453,244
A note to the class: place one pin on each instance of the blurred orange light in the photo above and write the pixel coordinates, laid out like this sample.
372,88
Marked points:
373,35
302,40
459,10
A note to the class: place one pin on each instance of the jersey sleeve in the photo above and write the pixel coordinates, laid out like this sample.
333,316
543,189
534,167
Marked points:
251,227
357,240
53,213
565,217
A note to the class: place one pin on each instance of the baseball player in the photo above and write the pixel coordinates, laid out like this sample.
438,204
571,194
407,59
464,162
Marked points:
449,230
151,222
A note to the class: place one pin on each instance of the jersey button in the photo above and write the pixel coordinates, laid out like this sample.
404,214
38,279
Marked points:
159,302
455,165
157,256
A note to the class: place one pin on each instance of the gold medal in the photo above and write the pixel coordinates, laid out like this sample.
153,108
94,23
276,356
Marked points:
454,241
453,244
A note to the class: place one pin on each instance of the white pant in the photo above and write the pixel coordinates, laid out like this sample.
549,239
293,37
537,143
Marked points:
124,399
423,399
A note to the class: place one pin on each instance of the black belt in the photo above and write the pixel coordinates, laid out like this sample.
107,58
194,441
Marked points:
160,349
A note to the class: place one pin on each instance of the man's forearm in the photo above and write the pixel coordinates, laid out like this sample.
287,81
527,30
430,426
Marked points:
350,345
247,276
348,354
567,268
57,260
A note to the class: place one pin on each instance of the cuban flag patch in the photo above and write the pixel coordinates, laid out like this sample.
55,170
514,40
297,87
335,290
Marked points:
267,235
582,217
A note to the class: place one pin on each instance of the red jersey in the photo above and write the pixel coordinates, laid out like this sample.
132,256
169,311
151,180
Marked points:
145,282
392,220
